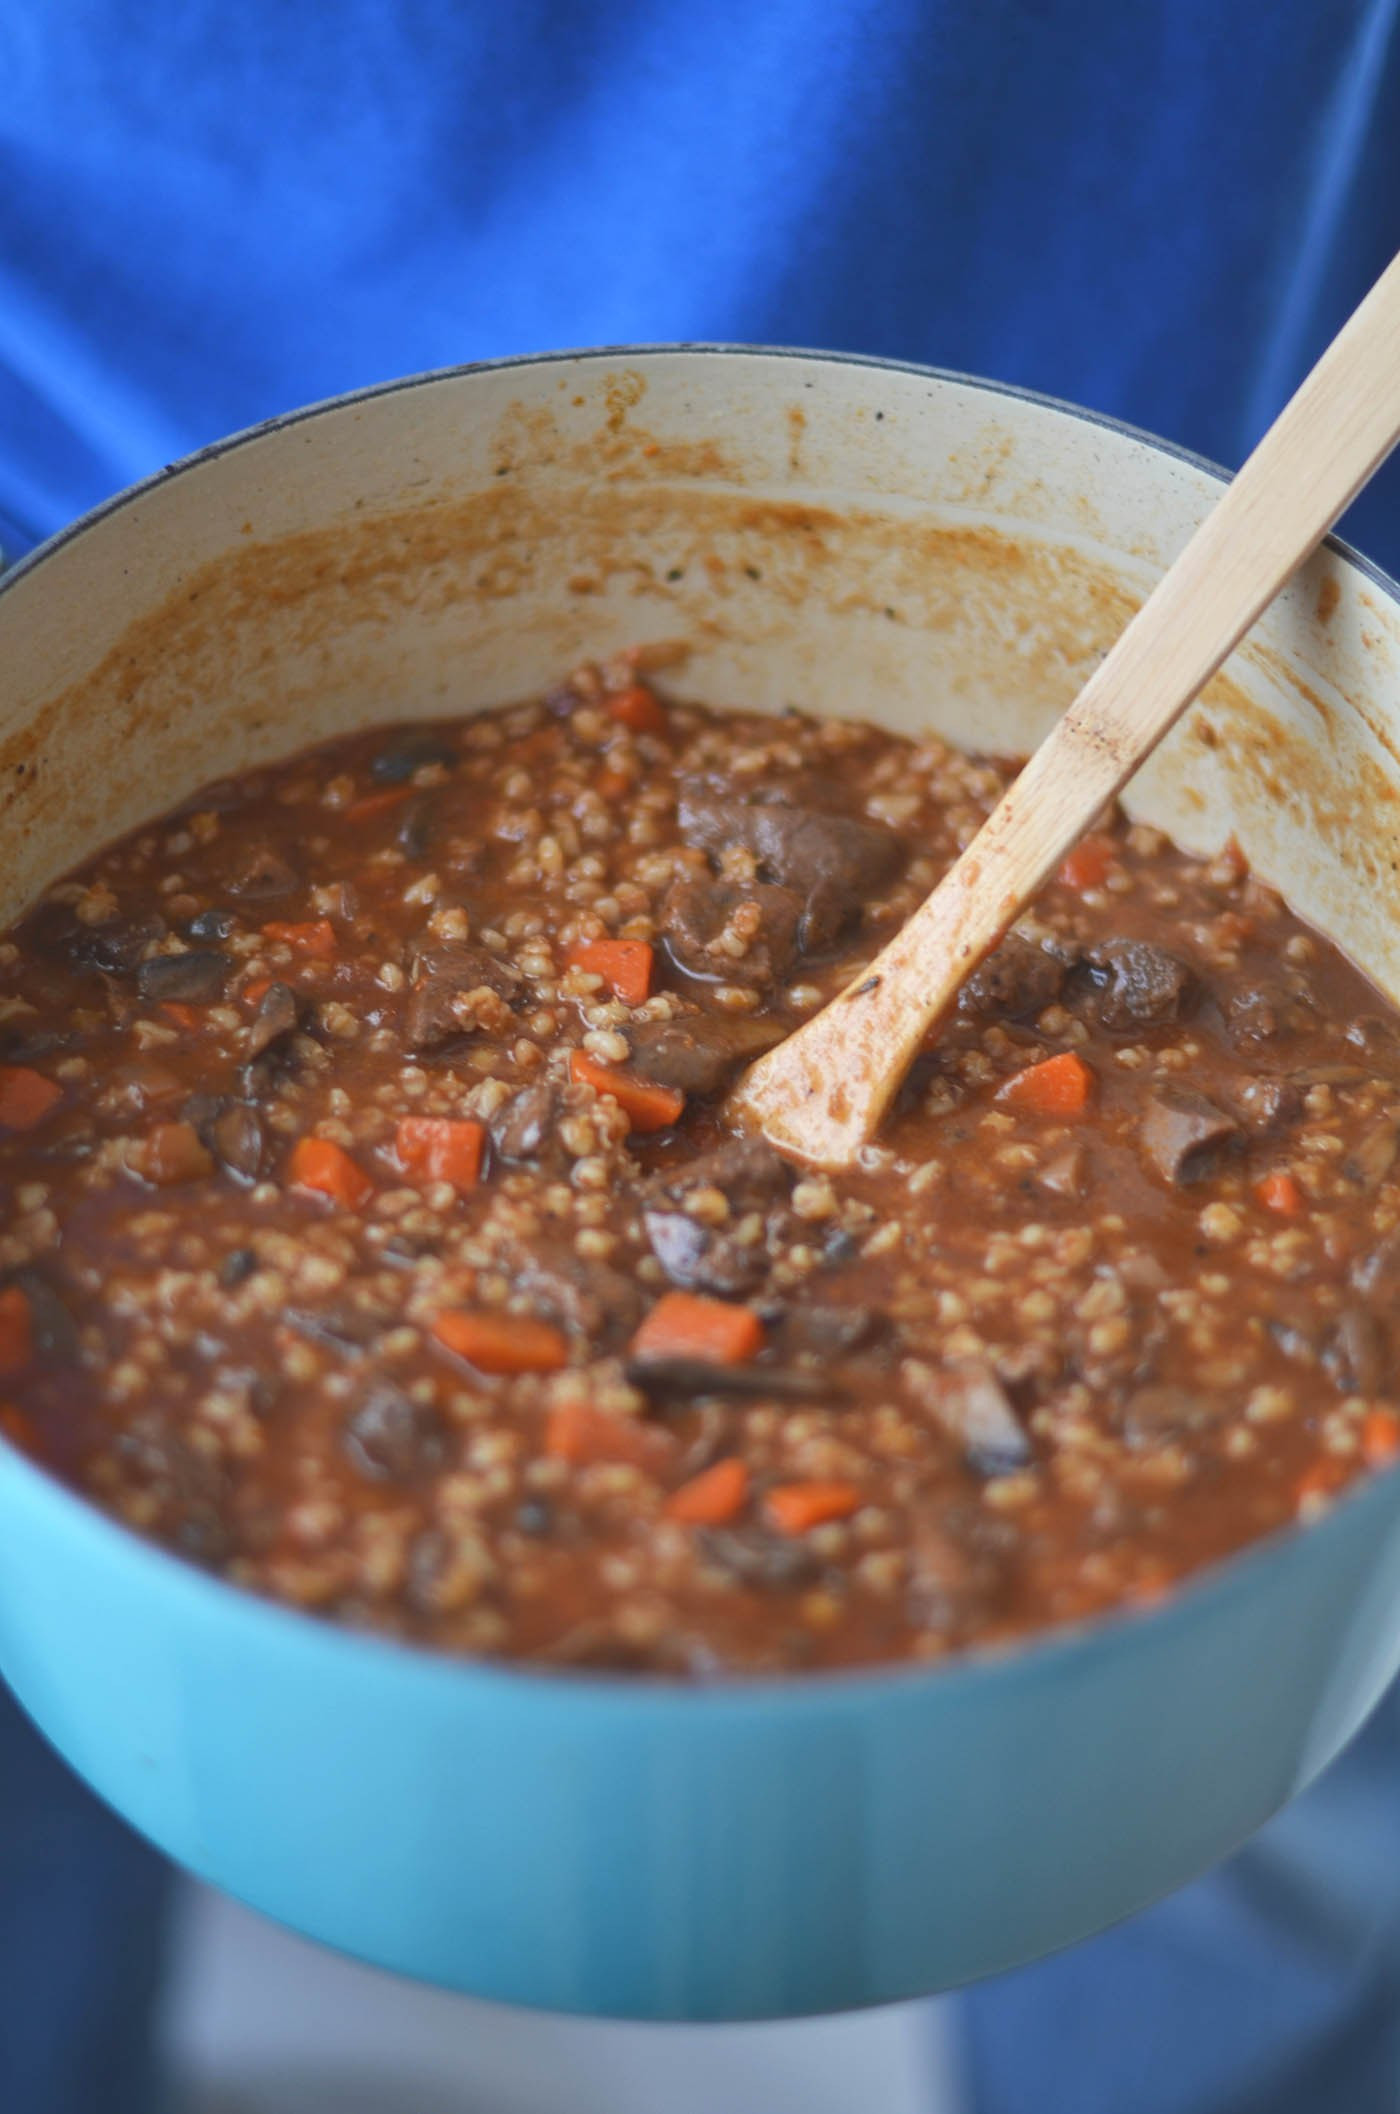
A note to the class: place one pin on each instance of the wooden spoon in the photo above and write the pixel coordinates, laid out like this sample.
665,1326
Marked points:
821,1094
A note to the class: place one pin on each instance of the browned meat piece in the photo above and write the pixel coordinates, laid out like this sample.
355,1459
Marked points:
414,835
588,1297
834,862
1019,979
54,932
266,876
1139,985
698,910
453,989
745,1170
170,1153
1373,1156
701,1053
831,1331
521,1129
704,1258
194,979
390,1438
754,1556
1158,1414
1267,1105
277,1015
1064,1174
1358,1355
973,1407
1181,1130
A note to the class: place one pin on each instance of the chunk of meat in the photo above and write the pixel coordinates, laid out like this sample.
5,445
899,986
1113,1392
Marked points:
973,1407
1256,1014
730,931
1181,1130
1018,980
266,876
391,1438
1373,1156
523,1126
700,1053
1139,985
1267,1105
53,1333
1358,1353
835,863
194,979
745,1170
754,1556
456,989
704,1258
54,931
238,1141
1161,1413
590,1298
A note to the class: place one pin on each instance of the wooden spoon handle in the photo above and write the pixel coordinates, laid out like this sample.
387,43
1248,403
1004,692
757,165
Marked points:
822,1092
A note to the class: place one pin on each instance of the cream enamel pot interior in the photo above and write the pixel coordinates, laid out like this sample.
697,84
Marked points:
853,537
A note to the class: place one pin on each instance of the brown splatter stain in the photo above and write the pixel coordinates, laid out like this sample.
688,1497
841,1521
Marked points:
622,393
1329,594
797,433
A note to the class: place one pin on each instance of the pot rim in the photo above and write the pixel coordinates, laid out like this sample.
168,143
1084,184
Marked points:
1038,1655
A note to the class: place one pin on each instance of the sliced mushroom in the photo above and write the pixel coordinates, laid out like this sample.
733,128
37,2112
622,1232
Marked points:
266,876
391,1438
973,1407
194,979
277,1015
520,1130
1358,1353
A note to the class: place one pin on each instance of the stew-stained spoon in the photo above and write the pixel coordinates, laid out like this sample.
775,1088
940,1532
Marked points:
821,1094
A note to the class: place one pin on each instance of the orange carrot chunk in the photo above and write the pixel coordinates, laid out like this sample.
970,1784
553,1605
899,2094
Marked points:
502,1343
794,1507
646,1107
712,1497
1087,865
438,1149
579,1433
685,1325
255,992
318,1164
186,1017
1057,1086
25,1097
624,965
640,709
16,1334
1280,1192
316,939
1380,1436
1321,1480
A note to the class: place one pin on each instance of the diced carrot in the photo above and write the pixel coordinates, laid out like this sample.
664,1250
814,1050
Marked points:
316,938
374,804
18,1428
638,708
440,1149
16,1335
1057,1086
255,992
712,1497
1323,1479
612,785
318,1164
646,1107
1280,1192
1380,1436
686,1325
1087,865
794,1507
26,1097
502,1343
187,1017
579,1433
624,965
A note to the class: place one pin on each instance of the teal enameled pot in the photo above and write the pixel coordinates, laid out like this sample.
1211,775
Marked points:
879,540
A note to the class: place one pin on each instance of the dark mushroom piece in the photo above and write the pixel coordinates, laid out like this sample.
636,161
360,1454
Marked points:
278,1014
665,1380
973,1407
266,876
391,1438
404,754
521,1129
